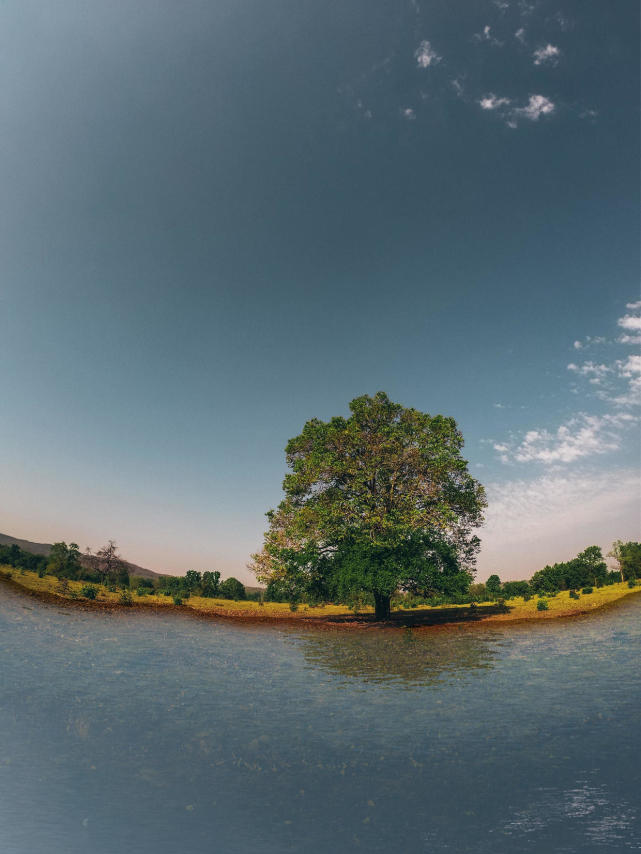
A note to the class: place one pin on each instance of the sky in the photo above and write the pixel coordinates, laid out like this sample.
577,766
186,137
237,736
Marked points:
219,220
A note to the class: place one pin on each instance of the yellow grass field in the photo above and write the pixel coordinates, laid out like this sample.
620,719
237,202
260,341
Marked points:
560,605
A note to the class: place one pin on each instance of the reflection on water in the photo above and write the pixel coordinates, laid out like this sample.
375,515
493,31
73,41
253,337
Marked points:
161,734
401,658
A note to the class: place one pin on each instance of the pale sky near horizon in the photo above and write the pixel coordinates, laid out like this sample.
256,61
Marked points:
222,219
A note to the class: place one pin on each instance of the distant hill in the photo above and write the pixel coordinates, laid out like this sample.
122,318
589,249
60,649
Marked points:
45,548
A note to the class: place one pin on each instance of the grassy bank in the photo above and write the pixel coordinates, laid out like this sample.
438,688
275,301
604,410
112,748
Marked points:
517,609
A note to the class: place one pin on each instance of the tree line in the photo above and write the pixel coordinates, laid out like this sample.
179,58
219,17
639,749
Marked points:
106,566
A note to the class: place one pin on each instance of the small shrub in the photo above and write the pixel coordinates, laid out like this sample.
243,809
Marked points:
125,598
142,591
586,591
574,594
632,582
112,588
88,591
542,605
293,606
526,597
62,586
41,572
178,600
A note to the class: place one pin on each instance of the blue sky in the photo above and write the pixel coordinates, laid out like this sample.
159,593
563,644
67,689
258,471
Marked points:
220,220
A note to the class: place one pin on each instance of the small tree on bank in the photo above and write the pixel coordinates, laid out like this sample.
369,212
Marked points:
374,503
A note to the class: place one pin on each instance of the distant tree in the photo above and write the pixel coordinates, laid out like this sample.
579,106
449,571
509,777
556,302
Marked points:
493,585
377,502
64,560
478,592
509,589
110,566
210,583
193,580
231,588
58,559
628,556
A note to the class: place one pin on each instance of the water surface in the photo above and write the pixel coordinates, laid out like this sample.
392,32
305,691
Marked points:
152,733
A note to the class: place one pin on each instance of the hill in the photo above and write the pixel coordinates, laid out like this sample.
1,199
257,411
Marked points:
45,548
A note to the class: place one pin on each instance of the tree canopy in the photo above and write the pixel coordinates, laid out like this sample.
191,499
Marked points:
374,503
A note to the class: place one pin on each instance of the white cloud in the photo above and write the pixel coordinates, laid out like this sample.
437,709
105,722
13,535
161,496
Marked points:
549,53
486,36
533,522
593,371
588,341
537,106
457,86
581,436
520,34
492,102
409,114
630,367
426,55
630,370
631,322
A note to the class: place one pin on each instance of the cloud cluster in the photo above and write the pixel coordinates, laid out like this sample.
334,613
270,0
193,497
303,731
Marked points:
536,106
505,31
549,54
617,384
631,323
426,56
486,36
579,437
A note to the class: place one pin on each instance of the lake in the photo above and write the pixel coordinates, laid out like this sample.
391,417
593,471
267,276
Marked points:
143,733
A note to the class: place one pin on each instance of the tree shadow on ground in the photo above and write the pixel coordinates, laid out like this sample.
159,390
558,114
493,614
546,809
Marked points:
433,617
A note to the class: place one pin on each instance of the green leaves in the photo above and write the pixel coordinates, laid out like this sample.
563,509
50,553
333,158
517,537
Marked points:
374,500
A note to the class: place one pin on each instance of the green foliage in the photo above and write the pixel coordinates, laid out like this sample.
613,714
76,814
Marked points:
628,556
586,591
493,585
542,605
63,586
125,598
511,589
193,580
374,503
210,586
64,560
178,600
231,588
585,569
574,594
88,591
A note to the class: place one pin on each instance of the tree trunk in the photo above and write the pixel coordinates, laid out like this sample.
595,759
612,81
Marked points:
381,606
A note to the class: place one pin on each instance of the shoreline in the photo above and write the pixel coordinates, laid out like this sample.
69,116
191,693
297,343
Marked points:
420,618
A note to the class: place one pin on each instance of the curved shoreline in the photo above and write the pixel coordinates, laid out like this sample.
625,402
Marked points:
424,619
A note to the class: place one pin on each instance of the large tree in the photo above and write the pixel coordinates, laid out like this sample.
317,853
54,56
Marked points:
374,503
